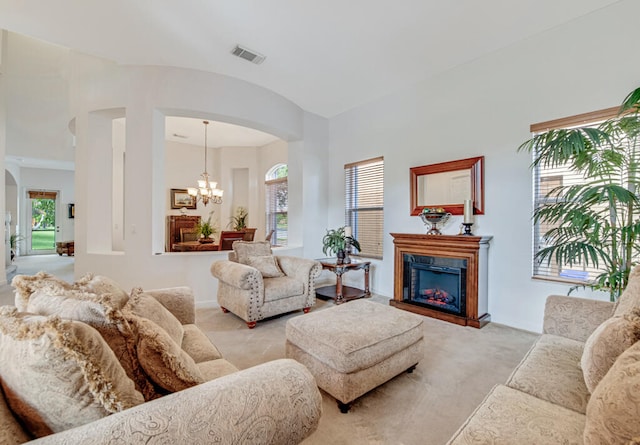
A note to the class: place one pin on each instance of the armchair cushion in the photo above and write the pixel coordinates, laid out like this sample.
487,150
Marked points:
606,343
163,360
282,287
613,410
266,264
67,376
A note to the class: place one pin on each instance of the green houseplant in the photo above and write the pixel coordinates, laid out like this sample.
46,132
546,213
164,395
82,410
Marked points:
594,223
335,241
239,221
205,229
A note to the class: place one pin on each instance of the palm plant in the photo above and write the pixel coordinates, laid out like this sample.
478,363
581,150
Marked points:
239,221
335,241
594,223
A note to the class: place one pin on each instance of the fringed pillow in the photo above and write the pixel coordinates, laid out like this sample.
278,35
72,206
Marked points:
106,313
25,285
59,374
146,306
163,360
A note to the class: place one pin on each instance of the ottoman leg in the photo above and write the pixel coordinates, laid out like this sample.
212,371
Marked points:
344,407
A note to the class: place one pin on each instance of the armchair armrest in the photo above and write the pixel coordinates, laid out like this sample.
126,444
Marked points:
224,410
180,301
574,318
301,269
235,274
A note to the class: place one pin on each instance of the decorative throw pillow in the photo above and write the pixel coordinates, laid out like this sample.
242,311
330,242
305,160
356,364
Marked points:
266,264
613,410
146,306
163,360
59,374
105,313
605,344
99,285
244,249
25,285
630,298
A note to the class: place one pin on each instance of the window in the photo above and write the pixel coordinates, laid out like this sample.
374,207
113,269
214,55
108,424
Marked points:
547,180
364,204
277,195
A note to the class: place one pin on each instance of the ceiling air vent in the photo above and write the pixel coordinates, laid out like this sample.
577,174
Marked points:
247,54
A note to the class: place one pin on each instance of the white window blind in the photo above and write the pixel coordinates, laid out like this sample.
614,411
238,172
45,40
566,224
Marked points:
364,201
546,179
277,195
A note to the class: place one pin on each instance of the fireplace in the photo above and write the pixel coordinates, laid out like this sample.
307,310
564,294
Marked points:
435,282
442,276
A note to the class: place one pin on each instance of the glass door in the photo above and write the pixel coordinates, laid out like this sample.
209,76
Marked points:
42,236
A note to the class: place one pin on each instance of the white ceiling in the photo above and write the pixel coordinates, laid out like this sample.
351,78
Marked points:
328,56
219,134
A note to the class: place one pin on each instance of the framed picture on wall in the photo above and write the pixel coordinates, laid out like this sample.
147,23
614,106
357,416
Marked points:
180,198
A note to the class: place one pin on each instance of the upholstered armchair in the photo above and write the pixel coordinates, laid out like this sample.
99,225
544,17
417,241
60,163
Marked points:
255,284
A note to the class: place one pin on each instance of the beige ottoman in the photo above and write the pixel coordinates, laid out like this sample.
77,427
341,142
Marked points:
352,348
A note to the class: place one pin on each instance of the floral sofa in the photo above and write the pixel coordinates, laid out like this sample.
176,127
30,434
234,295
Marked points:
88,363
578,384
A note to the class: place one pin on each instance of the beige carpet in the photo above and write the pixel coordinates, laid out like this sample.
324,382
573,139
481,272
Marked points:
426,407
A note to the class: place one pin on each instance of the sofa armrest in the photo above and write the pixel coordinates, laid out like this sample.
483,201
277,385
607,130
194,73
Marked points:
274,403
180,301
574,318
235,274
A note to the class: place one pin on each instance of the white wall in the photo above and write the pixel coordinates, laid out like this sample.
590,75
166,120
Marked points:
485,108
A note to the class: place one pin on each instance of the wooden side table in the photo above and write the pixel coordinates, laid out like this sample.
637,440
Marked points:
340,293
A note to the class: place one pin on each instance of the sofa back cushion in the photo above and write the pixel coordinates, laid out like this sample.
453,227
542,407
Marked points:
613,410
59,374
630,298
606,343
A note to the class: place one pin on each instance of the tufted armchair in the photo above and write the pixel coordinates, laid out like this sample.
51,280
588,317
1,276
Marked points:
254,284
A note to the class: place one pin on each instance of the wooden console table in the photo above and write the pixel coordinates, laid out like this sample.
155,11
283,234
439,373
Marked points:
340,293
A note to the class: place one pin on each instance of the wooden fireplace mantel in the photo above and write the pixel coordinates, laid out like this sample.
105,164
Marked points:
472,248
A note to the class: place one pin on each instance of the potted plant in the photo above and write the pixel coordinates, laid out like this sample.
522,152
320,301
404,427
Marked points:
335,241
13,244
594,223
205,229
239,221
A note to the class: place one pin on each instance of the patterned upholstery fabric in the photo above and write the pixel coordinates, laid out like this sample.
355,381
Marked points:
244,291
630,298
354,336
266,264
613,413
271,404
551,371
355,347
509,417
67,375
574,318
606,343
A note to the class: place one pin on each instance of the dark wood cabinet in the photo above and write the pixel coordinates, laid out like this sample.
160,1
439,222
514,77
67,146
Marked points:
174,224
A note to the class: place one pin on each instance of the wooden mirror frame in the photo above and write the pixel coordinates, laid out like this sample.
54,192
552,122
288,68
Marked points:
476,168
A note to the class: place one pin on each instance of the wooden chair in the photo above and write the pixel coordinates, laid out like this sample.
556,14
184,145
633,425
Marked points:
228,237
249,233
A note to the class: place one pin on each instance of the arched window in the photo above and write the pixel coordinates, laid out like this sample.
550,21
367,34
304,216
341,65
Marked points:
277,205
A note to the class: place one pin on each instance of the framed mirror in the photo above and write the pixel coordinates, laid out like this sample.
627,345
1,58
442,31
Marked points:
447,185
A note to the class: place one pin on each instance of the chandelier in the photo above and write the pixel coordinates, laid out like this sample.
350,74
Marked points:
207,190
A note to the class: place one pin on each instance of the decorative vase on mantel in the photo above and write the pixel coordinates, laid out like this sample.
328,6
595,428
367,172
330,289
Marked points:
431,217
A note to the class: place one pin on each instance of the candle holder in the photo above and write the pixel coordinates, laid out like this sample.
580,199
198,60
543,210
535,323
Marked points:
467,229
347,251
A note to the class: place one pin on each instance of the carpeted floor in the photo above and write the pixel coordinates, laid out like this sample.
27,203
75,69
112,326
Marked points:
460,367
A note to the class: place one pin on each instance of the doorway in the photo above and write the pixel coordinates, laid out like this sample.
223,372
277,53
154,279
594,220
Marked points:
43,228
